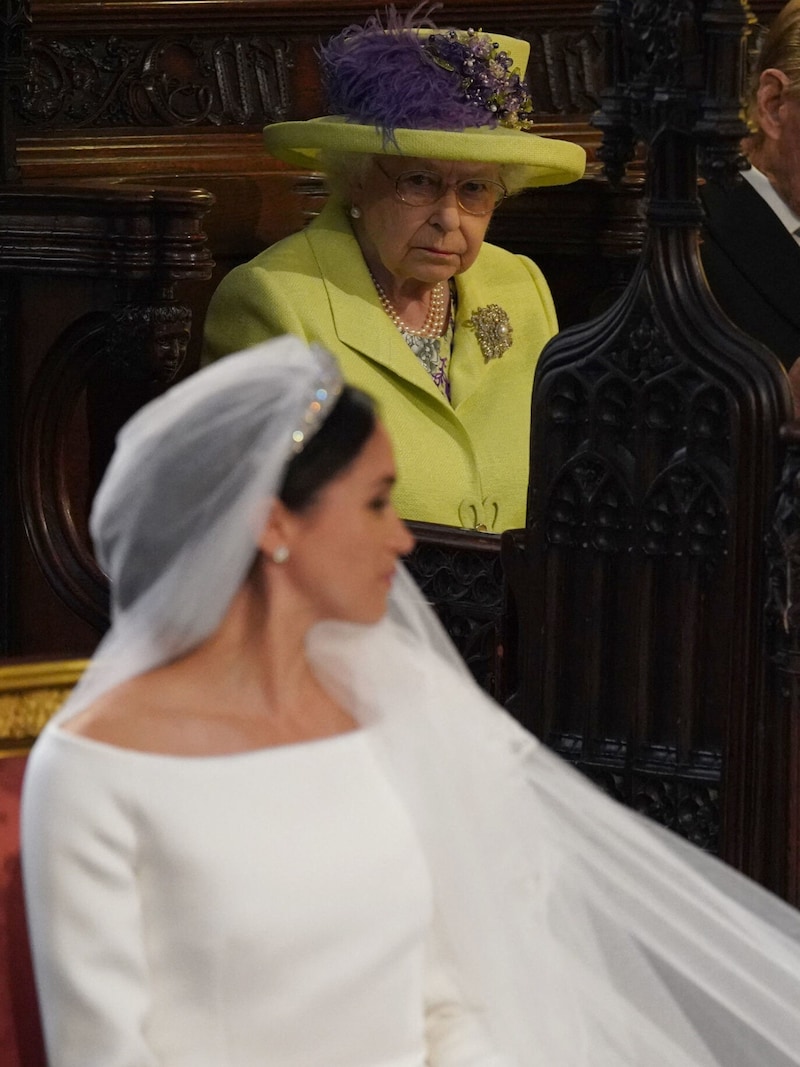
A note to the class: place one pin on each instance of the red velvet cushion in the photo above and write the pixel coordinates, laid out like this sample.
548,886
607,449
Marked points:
20,1033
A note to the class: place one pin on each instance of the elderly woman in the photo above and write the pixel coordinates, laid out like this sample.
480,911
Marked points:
273,827
430,134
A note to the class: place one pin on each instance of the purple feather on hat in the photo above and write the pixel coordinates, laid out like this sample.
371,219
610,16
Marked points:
388,76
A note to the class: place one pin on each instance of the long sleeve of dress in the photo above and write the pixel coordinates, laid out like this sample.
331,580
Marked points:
84,916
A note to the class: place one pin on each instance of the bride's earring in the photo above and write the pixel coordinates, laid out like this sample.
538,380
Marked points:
280,555
355,212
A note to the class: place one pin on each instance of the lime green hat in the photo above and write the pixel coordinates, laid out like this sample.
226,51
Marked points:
406,88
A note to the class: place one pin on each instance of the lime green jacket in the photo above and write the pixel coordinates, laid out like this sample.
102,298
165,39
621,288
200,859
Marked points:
463,463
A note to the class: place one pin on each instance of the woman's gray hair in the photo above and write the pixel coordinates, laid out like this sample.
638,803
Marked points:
343,170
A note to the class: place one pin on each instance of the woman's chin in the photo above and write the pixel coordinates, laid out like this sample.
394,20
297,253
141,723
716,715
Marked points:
442,272
363,615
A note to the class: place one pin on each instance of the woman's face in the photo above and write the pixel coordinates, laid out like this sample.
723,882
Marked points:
344,548
426,244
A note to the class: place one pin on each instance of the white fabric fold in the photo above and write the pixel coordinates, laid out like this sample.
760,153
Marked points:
590,935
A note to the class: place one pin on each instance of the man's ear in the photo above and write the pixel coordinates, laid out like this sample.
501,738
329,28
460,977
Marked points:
772,87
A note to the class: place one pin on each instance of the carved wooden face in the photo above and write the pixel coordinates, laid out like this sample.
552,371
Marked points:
170,340
149,343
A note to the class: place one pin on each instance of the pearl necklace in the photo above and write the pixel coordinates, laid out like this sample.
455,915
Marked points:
434,323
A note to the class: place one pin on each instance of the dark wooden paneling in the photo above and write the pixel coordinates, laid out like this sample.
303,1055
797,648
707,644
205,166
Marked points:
89,278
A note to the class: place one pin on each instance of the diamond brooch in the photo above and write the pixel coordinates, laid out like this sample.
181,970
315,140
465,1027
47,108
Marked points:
493,329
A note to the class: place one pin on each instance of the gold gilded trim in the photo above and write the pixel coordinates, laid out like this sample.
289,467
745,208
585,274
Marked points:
29,694
63,672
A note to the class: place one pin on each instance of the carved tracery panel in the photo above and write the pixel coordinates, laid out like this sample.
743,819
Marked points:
167,81
641,576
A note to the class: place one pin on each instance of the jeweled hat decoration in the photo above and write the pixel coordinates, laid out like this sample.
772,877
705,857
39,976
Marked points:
414,77
403,87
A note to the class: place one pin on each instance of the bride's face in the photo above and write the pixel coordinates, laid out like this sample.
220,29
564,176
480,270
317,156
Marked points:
344,548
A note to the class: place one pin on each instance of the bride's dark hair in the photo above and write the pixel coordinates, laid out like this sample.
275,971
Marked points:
331,450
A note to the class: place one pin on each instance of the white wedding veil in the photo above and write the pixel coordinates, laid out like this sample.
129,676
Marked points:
582,933
187,493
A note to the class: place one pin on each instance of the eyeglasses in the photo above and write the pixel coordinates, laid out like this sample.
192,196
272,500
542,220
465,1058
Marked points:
422,188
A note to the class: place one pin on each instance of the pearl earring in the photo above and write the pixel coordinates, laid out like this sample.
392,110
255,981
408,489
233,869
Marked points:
355,212
281,554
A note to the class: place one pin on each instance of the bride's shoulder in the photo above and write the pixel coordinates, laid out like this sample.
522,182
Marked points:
124,716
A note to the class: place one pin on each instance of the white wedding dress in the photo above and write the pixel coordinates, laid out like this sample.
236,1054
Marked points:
267,908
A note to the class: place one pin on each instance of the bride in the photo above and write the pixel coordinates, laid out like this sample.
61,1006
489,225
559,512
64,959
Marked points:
277,823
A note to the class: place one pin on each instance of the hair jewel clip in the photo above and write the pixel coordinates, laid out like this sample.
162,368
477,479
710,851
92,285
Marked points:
327,390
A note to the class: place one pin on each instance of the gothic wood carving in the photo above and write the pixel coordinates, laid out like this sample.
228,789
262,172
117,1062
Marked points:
155,81
640,577
460,574
783,617
15,18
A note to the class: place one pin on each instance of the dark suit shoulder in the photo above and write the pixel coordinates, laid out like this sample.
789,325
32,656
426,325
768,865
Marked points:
752,265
